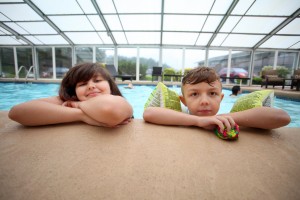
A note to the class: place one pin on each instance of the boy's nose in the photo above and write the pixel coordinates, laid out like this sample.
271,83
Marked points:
204,100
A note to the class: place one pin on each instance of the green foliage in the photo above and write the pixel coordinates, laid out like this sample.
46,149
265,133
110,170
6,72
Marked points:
186,70
256,80
282,71
128,66
9,71
169,71
266,68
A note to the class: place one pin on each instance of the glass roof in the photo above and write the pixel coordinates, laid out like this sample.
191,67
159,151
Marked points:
190,23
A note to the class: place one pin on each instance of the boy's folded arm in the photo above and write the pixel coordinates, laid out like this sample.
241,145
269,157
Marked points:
110,110
261,117
164,116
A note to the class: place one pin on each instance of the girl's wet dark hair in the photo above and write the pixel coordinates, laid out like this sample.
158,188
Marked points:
81,73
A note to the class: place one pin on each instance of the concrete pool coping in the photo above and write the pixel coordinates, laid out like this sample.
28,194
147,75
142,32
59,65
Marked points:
146,161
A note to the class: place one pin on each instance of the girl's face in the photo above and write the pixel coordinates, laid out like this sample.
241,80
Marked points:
92,88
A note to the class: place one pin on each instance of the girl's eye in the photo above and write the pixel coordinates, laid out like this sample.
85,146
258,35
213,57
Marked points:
81,84
97,80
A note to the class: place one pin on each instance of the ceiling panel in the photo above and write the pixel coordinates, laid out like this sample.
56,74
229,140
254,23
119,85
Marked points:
281,42
193,23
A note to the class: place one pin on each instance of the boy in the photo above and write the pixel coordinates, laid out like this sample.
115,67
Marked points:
202,94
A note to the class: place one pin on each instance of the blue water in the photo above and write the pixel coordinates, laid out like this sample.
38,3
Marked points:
15,93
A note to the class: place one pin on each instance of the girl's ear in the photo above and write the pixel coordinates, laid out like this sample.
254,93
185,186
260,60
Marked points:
182,99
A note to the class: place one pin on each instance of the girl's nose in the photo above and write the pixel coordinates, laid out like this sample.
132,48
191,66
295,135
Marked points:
91,85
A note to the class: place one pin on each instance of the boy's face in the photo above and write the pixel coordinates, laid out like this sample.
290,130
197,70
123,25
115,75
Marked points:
202,99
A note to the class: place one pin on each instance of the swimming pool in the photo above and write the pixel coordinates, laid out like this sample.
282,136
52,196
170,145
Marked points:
15,93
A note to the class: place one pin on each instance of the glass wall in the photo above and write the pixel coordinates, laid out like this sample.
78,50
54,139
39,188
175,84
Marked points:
172,58
218,59
24,57
240,66
193,57
105,56
83,54
262,59
63,60
44,62
7,64
287,63
173,61
127,61
148,59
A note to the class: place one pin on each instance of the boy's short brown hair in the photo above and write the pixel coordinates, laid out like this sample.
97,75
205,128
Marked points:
200,74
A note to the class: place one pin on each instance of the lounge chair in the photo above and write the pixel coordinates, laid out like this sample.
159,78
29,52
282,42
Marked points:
113,72
296,79
156,71
270,77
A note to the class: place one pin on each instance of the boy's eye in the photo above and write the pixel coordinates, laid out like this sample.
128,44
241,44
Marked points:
213,93
194,94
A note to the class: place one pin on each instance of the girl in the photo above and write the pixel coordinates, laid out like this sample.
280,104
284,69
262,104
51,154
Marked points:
87,93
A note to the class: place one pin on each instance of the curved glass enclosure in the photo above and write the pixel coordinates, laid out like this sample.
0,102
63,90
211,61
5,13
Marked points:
239,39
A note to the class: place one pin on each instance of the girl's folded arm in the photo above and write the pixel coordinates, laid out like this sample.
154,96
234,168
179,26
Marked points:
107,109
43,112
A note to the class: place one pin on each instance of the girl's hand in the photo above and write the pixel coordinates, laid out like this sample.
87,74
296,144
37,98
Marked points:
93,122
71,104
126,121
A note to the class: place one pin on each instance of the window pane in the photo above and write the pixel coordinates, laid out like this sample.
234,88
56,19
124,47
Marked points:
44,62
193,58
84,54
287,60
262,59
148,59
218,60
105,56
240,65
63,61
172,58
127,61
24,56
7,66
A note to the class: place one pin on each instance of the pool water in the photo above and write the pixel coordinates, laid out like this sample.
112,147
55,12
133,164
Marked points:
15,93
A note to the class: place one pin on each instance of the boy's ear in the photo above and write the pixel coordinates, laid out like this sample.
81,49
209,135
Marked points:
222,96
182,99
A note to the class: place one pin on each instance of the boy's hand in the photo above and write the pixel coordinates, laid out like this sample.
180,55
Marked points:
212,122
